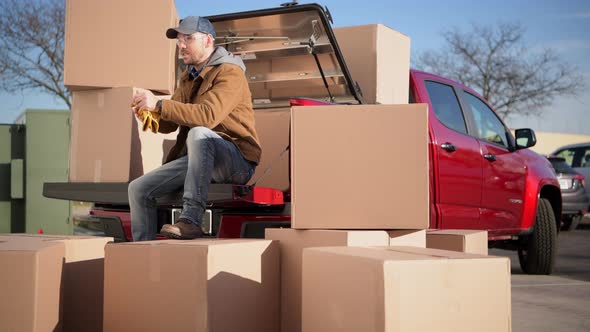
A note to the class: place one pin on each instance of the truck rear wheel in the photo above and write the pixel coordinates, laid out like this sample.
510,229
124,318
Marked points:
537,253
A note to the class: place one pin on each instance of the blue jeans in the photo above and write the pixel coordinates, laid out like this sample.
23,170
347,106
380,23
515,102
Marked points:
209,158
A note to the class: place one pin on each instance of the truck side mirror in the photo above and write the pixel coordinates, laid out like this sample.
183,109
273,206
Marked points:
525,138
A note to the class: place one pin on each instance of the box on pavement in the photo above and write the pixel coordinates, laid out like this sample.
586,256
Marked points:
349,167
81,266
292,242
107,142
463,240
407,237
197,285
404,289
30,280
112,43
378,58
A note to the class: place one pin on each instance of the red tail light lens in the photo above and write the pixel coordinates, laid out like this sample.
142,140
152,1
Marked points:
581,179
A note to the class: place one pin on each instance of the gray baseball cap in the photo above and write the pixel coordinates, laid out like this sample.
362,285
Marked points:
190,25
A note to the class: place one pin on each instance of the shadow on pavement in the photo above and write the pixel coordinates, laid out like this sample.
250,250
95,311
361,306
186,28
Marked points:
573,255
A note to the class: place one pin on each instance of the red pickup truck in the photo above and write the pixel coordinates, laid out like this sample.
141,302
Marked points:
482,177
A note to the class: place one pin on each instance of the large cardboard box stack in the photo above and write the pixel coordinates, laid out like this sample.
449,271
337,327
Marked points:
198,285
292,243
354,190
378,58
463,240
51,282
109,55
404,289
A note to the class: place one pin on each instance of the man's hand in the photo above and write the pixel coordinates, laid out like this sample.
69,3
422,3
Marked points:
143,105
143,100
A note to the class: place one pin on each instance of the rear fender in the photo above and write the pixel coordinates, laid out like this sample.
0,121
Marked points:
545,188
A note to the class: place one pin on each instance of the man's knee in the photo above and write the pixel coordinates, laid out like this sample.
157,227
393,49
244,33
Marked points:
198,133
200,139
136,189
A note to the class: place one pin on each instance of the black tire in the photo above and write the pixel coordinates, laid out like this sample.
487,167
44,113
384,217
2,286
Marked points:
536,253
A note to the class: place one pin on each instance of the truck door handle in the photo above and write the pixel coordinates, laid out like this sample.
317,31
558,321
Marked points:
448,147
489,157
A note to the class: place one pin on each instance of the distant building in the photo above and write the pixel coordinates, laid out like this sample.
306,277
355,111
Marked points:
548,142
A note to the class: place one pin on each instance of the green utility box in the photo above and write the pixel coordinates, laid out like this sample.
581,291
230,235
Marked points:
46,160
31,154
12,154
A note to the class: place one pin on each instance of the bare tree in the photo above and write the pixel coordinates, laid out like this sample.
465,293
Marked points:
32,46
495,61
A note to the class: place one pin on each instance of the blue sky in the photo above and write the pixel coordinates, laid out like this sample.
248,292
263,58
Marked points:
560,24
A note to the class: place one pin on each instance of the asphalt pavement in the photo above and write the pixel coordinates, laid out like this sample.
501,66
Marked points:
558,302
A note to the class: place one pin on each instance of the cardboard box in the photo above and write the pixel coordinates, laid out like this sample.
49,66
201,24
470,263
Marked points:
112,43
292,242
378,58
198,285
272,127
30,285
107,143
349,167
463,240
407,237
404,289
82,265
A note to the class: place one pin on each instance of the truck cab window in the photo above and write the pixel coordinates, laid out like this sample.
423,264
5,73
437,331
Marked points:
446,106
489,127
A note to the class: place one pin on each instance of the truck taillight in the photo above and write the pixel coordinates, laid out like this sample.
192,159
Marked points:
581,179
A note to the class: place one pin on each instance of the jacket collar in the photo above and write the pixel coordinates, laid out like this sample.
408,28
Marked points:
192,73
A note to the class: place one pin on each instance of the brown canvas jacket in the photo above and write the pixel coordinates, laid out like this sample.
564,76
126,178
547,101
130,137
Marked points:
219,99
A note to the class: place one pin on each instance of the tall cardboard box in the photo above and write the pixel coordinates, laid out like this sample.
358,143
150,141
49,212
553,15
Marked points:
349,167
111,43
272,127
463,240
404,289
378,58
107,141
30,284
81,278
292,242
198,285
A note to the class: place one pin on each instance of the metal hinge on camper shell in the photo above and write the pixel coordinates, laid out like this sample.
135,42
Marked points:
328,14
316,34
290,4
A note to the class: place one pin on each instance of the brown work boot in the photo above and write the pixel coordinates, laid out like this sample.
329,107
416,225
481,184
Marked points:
183,229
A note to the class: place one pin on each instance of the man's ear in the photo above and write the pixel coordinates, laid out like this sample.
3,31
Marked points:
210,41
